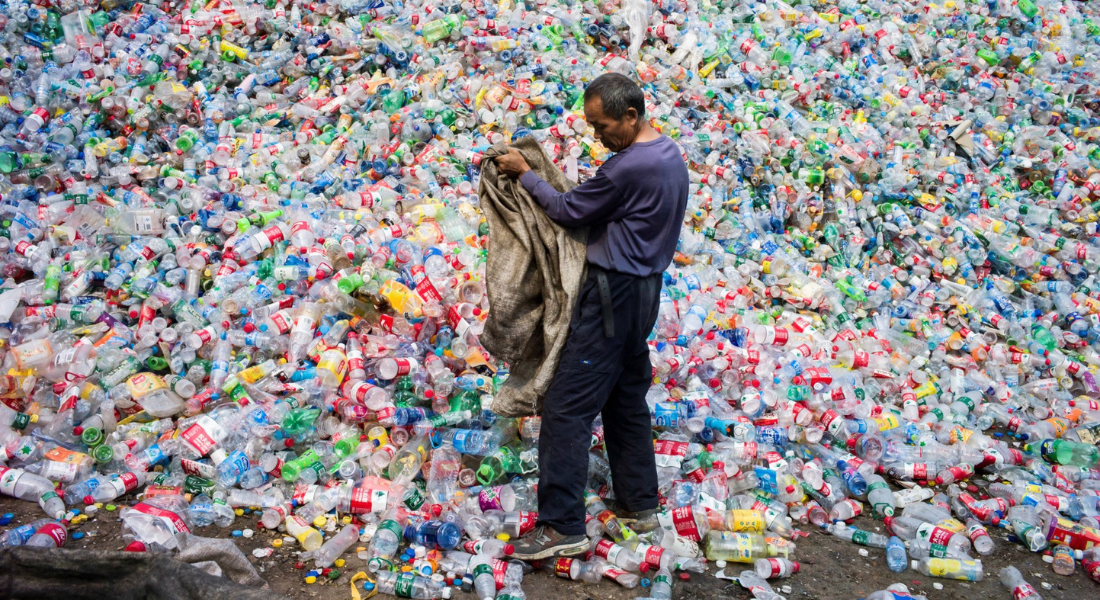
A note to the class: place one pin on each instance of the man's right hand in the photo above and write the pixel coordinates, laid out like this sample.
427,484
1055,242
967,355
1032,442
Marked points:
512,164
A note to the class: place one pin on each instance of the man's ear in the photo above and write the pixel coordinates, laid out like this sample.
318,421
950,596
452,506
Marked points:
631,115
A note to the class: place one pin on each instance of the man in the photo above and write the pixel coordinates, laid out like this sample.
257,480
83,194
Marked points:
634,206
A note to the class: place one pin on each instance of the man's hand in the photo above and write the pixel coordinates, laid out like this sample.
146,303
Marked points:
512,164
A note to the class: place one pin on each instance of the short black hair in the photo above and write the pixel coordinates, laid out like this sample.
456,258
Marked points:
617,93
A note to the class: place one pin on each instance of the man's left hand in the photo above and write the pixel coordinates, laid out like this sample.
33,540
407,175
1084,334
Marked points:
512,164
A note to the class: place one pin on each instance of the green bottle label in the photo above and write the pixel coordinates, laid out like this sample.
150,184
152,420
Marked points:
403,586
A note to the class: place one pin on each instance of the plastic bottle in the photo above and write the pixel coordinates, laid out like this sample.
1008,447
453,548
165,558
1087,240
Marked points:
31,487
1012,579
18,536
908,528
336,545
50,535
979,537
407,585
307,536
772,568
574,569
949,568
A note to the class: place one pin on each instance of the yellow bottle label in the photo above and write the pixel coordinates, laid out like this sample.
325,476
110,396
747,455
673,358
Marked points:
144,383
334,361
943,567
743,550
400,298
888,422
745,520
253,374
954,526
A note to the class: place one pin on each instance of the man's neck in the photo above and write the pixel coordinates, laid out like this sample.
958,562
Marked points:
647,134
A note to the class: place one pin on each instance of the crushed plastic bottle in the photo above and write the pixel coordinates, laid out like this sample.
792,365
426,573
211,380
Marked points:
244,267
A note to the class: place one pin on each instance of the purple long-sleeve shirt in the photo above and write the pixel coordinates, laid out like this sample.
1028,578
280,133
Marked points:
633,206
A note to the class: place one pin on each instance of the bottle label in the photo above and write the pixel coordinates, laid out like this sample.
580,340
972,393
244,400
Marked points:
8,479
473,546
500,570
920,471
392,526
937,551
143,384
608,550
738,546
168,517
831,421
563,566
61,455
482,569
279,319
670,453
860,537
711,503
1023,591
527,521
778,568
152,491
651,554
488,498
933,534
58,471
304,494
129,481
613,573
1059,425
404,585
413,499
200,469
252,374
360,502
745,520
56,531
203,435
943,567
683,519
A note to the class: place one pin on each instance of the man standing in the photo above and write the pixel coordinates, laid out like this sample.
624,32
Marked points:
634,206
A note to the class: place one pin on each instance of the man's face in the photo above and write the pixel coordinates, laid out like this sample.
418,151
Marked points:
614,134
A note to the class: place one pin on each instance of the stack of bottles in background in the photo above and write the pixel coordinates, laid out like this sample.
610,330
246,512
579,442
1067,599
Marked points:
243,266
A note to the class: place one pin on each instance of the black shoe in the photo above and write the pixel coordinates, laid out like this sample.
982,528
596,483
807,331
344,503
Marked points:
545,542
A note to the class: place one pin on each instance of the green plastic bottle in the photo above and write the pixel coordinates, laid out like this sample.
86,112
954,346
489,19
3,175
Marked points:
1065,452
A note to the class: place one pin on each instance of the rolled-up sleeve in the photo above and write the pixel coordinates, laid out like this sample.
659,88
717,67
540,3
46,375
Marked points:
590,203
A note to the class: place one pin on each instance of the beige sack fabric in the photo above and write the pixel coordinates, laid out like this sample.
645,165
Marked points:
533,276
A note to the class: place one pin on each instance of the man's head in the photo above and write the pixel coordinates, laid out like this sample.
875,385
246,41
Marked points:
615,108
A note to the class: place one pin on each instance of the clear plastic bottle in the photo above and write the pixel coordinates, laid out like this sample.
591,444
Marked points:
28,486
334,546
949,568
1012,579
896,559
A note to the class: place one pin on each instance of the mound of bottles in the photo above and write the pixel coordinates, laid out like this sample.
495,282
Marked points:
243,268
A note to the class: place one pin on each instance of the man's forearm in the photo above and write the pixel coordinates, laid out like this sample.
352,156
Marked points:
586,204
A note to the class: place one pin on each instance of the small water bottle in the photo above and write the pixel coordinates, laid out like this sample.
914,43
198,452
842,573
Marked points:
896,559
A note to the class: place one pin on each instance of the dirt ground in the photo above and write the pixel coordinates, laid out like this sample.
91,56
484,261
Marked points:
831,569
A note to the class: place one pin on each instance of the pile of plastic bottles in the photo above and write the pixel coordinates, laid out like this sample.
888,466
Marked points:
243,269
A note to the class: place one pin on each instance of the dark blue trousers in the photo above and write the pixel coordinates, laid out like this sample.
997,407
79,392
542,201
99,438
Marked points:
601,374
